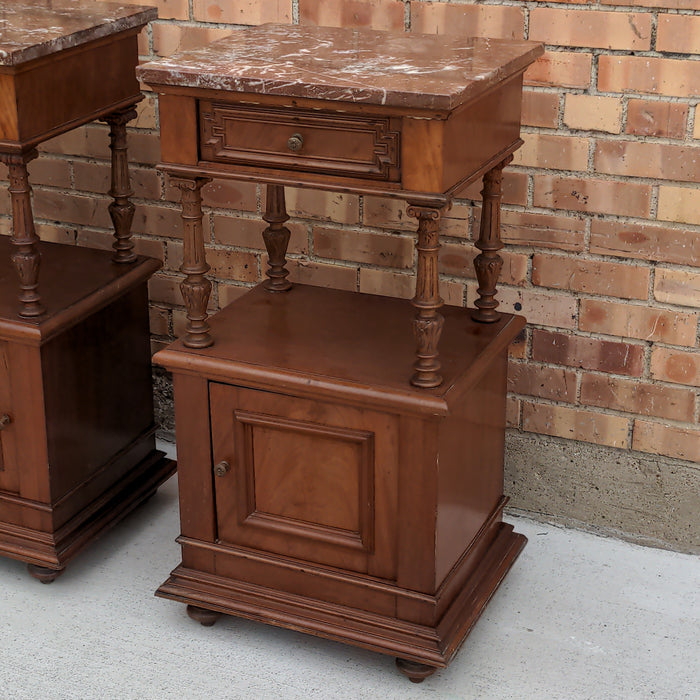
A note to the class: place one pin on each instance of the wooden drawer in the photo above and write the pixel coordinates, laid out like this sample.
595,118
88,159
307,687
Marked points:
300,140
306,479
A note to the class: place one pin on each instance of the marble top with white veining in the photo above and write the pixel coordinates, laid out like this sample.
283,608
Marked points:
351,65
30,29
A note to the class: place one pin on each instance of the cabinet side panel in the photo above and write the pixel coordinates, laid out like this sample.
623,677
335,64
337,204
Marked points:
178,129
194,471
9,476
477,132
471,449
97,378
8,109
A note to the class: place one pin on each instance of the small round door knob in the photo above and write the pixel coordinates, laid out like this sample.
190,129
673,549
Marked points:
295,142
5,420
222,468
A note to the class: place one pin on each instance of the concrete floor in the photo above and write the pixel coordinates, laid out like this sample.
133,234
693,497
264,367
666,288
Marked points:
579,616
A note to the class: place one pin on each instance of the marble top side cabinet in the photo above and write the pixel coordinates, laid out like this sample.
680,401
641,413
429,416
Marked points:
77,435
340,454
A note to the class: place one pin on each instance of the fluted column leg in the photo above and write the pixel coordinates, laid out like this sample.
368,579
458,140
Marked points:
121,210
488,263
195,288
427,324
26,257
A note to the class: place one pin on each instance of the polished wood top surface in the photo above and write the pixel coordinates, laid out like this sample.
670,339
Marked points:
353,342
80,279
421,71
31,29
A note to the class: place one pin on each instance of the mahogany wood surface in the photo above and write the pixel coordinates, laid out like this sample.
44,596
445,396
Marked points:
341,454
79,451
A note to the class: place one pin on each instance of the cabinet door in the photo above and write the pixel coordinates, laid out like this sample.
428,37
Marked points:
305,479
9,480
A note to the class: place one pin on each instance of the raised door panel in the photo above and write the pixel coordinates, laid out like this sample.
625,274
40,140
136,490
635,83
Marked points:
9,478
310,480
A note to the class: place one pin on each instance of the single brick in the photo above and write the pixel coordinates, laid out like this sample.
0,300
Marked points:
587,353
560,69
590,276
364,247
97,177
643,322
494,21
575,424
515,186
165,289
517,350
91,141
553,383
590,195
656,76
666,4
553,151
593,113
339,208
645,241
233,264
376,14
543,230
644,159
76,209
679,204
591,28
541,308
656,118
49,171
247,233
403,286
677,287
633,396
458,259
696,127
677,366
171,38
242,11
54,233
230,194
323,274
540,109
678,34
661,439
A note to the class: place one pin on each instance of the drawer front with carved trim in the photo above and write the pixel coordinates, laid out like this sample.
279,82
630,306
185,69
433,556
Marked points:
305,479
300,140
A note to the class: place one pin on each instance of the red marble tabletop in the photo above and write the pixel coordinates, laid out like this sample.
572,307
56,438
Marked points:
353,65
30,29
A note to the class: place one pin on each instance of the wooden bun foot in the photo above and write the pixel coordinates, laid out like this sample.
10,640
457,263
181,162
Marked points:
43,573
415,671
205,617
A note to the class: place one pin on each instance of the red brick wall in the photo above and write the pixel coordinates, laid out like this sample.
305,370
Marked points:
601,221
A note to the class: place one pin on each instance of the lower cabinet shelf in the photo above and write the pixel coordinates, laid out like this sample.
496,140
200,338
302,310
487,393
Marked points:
320,491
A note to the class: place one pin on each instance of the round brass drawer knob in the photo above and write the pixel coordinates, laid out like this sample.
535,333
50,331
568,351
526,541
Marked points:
295,142
222,468
5,420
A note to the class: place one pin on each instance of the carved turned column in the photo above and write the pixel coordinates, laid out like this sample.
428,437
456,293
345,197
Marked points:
488,263
276,237
196,288
427,324
121,209
26,257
